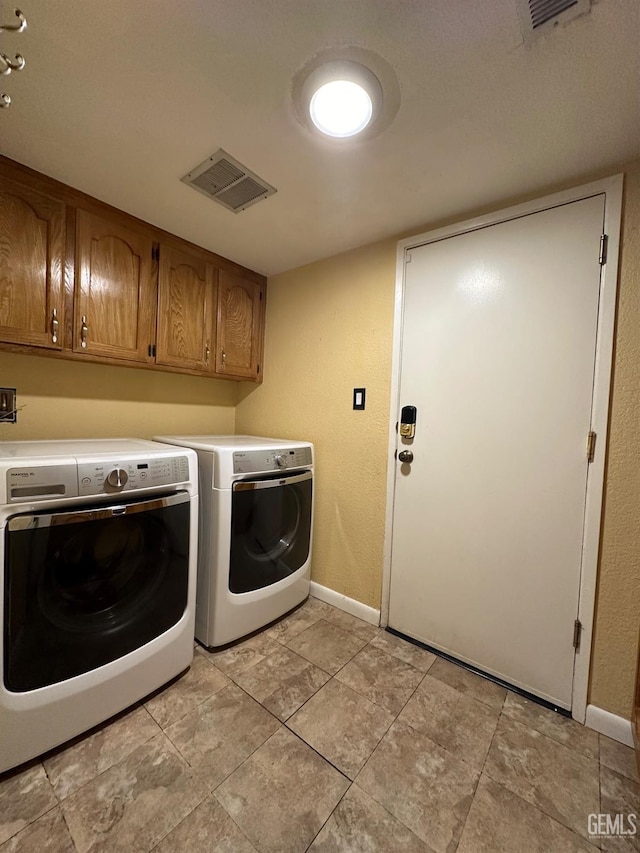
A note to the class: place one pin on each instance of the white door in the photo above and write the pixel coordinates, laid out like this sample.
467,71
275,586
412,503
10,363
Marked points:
498,349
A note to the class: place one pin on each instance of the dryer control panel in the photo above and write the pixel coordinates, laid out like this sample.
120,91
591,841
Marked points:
261,461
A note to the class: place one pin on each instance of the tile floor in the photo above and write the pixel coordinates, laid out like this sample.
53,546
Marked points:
326,734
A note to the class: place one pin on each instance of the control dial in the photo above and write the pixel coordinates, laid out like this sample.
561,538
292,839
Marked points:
281,460
117,478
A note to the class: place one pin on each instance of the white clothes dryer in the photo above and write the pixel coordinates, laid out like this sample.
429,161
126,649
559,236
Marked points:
98,544
255,531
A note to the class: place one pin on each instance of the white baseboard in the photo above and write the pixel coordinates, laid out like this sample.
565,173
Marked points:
609,724
349,605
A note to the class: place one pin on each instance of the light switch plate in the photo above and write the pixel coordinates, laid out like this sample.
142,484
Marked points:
359,395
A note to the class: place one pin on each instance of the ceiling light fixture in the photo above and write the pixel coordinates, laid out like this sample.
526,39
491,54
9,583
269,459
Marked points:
342,98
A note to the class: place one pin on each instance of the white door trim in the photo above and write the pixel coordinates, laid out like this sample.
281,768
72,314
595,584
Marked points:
612,188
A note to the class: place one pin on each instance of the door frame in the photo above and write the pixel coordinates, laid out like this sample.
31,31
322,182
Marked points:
612,190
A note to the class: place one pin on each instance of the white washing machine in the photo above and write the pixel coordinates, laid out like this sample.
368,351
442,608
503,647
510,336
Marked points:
256,522
98,544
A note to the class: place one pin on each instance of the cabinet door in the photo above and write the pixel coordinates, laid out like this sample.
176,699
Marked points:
115,290
239,326
31,266
186,311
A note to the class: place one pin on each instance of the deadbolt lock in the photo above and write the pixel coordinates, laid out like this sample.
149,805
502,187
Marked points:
405,456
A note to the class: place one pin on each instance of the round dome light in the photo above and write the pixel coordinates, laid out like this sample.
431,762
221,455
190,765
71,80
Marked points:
340,98
341,108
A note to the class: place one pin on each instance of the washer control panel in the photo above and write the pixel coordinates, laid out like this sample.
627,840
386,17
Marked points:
97,477
259,461
111,476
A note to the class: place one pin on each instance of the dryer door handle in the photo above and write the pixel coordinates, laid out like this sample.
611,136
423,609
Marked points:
272,482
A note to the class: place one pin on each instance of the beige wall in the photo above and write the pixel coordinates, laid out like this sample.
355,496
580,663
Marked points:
64,399
329,329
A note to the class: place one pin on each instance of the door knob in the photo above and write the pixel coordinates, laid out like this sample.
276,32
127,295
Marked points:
405,456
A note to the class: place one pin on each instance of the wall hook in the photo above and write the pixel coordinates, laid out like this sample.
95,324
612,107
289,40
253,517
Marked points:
8,65
20,27
16,64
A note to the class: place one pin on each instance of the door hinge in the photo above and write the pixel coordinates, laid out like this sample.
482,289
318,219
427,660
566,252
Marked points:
604,242
577,633
591,446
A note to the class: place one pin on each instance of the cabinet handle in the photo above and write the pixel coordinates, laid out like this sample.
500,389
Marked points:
55,325
224,358
207,352
84,331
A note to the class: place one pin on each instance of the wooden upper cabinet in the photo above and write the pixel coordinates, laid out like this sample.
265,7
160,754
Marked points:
32,245
186,311
240,326
115,290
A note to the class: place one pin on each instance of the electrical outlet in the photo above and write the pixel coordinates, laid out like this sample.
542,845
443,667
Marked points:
8,409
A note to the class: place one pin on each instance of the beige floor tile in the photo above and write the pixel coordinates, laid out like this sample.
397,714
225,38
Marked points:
425,787
404,650
208,829
380,677
562,729
347,622
243,655
48,834
282,682
467,682
24,796
201,681
133,805
616,756
342,726
314,605
454,720
326,645
282,795
220,733
620,796
71,767
361,824
501,822
295,623
620,844
562,782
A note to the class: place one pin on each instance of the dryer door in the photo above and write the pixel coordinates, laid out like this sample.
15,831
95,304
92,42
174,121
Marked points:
270,529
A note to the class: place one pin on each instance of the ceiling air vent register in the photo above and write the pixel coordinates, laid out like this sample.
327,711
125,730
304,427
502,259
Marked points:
538,16
228,182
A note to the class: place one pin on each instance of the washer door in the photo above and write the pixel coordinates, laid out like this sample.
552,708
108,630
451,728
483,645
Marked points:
270,530
85,587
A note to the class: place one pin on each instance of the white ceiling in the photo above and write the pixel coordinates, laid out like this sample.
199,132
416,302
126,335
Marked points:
121,99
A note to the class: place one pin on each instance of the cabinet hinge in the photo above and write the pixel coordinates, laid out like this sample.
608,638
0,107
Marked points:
604,243
591,446
155,253
577,633
151,350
